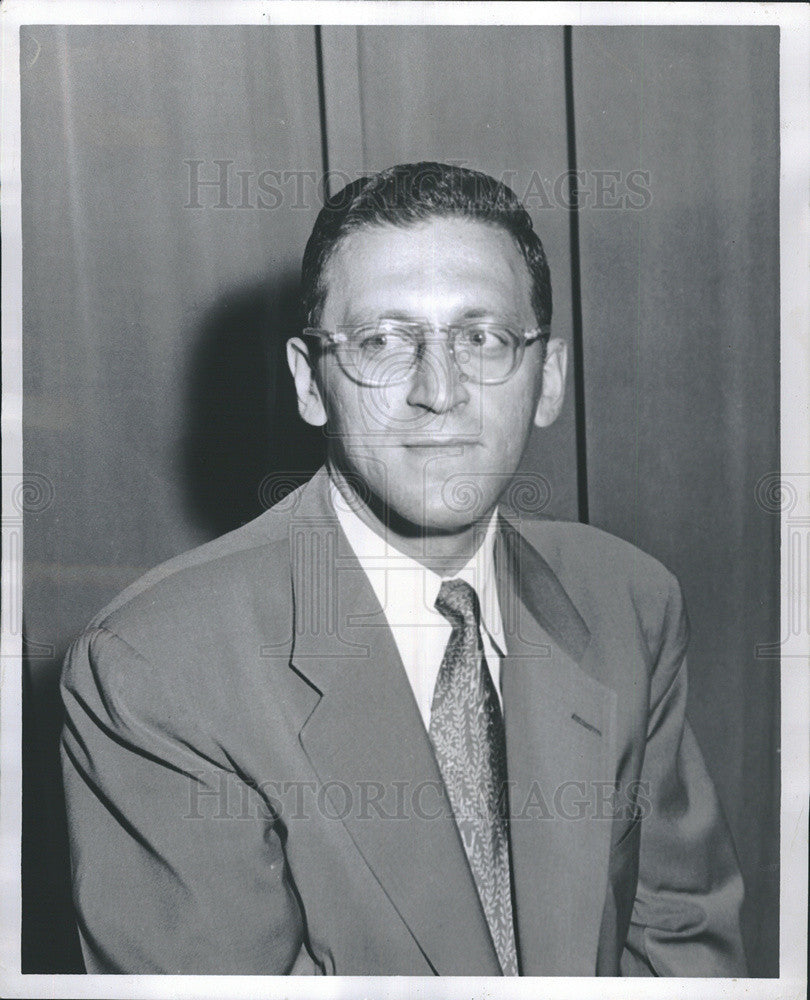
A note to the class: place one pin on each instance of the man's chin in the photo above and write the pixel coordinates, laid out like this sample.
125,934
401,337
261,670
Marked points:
435,519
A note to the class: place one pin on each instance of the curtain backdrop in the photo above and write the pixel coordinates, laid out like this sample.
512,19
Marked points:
171,176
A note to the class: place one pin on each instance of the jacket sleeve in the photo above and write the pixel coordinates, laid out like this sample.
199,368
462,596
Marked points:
686,914
169,876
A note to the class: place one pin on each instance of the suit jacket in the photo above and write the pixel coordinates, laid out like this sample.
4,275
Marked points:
251,789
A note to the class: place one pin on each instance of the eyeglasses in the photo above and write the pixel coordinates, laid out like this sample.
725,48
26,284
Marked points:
389,351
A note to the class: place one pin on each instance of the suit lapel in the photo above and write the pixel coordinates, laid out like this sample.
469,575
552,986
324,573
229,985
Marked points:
560,731
366,741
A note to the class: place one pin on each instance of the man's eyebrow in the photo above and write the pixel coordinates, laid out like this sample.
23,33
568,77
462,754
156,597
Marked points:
360,319
494,315
479,312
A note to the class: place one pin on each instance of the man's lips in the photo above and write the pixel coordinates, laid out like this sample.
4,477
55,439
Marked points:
439,442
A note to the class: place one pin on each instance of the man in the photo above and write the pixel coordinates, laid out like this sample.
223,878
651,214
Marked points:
382,729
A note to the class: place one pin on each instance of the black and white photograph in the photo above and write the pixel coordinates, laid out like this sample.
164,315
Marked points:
406,499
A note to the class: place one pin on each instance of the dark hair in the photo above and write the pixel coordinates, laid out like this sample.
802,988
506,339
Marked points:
410,193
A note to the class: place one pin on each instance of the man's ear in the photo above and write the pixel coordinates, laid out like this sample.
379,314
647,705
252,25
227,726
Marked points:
310,402
551,397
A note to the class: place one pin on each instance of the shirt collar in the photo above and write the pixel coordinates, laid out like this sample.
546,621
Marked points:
405,588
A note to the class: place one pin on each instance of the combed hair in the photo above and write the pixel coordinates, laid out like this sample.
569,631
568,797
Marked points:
411,193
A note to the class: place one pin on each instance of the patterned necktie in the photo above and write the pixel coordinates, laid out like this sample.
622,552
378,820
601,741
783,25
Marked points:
466,727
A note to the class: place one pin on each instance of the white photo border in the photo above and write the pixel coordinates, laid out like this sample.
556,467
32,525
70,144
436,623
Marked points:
794,22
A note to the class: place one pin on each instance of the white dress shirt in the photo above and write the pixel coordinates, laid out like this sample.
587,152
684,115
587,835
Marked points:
407,592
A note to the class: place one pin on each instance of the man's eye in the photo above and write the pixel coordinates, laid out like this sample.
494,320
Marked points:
487,338
374,342
384,339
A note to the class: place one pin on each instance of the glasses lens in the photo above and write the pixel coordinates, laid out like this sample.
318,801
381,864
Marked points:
486,352
386,353
383,354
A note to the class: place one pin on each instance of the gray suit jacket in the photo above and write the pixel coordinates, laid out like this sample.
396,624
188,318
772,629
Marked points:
251,789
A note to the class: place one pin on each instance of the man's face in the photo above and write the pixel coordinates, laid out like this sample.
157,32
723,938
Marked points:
434,451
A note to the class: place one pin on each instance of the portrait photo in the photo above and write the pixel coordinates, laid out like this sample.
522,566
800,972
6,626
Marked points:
412,573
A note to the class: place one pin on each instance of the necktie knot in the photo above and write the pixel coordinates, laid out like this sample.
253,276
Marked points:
458,602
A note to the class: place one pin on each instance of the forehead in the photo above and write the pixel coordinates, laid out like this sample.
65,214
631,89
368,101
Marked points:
438,267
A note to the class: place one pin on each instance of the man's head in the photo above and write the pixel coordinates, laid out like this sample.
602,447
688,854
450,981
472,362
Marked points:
441,270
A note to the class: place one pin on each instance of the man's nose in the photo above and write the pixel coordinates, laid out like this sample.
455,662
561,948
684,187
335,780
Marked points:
437,384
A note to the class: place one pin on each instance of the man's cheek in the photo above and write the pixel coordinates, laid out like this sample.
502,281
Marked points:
506,440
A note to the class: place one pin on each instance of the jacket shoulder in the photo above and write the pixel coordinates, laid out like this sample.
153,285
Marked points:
607,577
562,543
239,575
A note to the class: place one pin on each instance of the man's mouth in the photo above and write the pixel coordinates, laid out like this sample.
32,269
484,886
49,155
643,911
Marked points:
439,442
